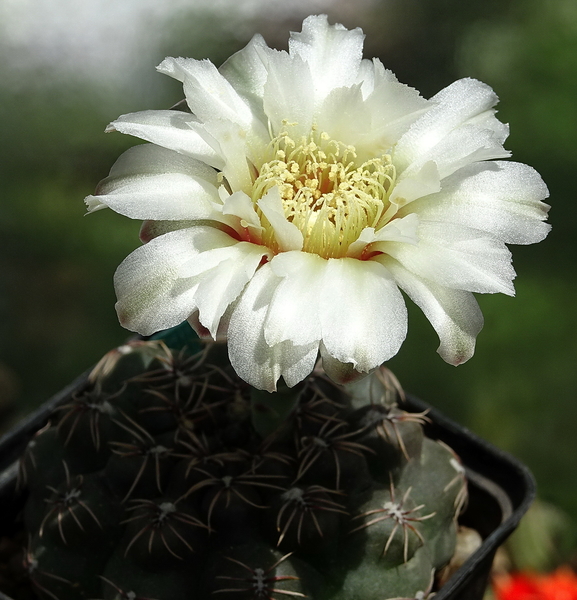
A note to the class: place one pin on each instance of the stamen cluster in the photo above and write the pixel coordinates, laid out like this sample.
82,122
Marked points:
324,190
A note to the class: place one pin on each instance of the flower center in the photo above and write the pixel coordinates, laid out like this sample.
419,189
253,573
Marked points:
325,192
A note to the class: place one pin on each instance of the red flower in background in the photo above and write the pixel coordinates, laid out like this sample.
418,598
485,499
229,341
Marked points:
560,585
519,586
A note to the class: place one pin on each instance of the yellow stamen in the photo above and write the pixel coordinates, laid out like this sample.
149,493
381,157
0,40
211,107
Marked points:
324,190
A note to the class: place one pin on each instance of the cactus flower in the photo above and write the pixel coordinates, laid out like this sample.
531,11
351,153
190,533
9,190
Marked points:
301,191
559,585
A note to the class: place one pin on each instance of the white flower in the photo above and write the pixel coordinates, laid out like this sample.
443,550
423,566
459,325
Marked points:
302,193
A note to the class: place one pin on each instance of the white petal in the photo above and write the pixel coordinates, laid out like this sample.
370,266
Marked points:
172,129
456,257
420,183
452,107
459,148
165,281
332,53
152,183
454,314
234,151
152,229
346,118
247,71
221,249
220,286
366,76
373,123
398,230
209,95
146,159
145,283
289,96
487,120
395,106
212,98
239,205
287,235
502,198
464,99
410,186
294,310
158,197
202,238
363,315
204,333
456,107
251,357
339,372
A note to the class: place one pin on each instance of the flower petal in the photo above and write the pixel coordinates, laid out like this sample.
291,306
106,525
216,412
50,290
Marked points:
252,358
204,333
372,123
247,221
500,198
220,286
152,229
345,117
287,235
212,98
151,159
235,152
456,257
363,315
295,300
209,95
419,183
145,283
332,53
339,372
172,129
451,107
289,95
454,314
395,106
157,284
151,183
459,148
247,72
453,132
398,230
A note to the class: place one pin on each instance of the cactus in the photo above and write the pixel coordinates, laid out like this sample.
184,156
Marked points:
168,477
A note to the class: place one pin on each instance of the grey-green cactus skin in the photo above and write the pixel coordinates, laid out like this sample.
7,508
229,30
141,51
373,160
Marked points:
167,477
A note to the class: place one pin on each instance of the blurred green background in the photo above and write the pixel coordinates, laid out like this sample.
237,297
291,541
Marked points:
68,68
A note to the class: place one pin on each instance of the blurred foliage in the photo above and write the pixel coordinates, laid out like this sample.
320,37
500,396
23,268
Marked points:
542,541
56,266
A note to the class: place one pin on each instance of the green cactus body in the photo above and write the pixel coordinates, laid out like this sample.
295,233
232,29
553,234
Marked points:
171,478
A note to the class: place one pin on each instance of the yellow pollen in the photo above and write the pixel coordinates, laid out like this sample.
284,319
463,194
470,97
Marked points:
324,190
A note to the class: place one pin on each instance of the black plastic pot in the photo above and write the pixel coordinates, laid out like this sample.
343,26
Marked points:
500,489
